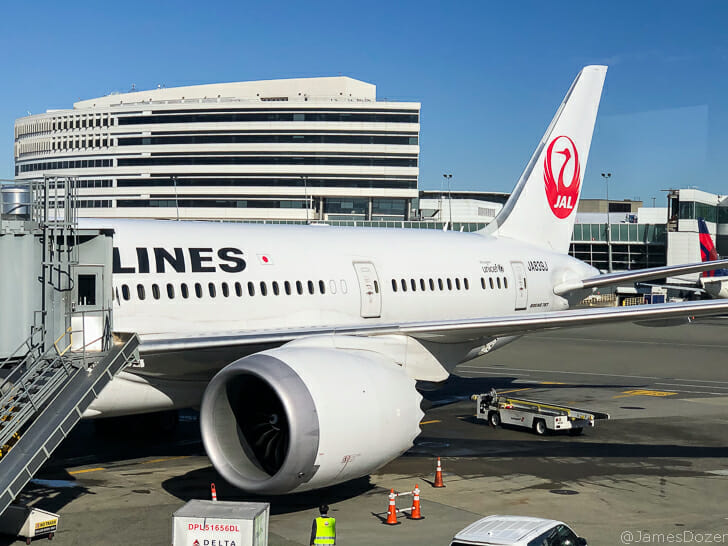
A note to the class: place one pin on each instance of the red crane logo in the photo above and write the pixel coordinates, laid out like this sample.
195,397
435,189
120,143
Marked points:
562,197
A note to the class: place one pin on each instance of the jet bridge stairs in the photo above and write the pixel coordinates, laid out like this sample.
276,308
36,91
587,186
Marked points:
62,295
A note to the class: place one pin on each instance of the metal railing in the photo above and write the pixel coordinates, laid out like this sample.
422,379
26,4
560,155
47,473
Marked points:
39,375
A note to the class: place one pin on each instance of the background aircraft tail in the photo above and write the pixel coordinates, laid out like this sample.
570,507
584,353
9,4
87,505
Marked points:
707,250
542,207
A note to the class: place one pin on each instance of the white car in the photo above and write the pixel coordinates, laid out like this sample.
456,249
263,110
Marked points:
517,531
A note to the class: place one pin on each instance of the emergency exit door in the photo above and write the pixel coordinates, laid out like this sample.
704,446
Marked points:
519,276
369,291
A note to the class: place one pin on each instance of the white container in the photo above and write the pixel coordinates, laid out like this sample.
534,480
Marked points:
28,522
221,523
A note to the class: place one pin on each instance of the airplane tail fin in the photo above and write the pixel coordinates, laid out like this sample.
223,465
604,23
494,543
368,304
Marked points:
542,207
707,248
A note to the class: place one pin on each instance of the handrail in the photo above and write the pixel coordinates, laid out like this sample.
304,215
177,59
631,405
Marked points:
70,343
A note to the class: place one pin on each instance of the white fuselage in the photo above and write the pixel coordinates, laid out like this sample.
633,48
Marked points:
253,278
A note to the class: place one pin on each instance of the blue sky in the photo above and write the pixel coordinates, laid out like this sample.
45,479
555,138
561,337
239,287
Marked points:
489,75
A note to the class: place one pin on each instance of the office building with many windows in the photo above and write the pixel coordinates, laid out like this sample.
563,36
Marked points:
295,149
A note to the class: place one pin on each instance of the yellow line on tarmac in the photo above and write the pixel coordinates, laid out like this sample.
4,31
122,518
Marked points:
86,470
551,383
165,460
515,390
640,392
429,422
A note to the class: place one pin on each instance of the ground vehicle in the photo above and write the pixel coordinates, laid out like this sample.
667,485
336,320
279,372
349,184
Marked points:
533,414
517,531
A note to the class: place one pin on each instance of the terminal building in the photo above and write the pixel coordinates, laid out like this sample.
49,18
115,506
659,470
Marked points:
293,149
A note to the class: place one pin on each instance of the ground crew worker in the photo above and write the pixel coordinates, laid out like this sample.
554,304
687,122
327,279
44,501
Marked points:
323,530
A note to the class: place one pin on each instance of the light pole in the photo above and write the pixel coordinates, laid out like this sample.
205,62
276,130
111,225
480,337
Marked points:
448,177
176,198
305,192
606,177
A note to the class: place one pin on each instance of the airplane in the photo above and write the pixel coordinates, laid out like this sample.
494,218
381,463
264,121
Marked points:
714,282
302,345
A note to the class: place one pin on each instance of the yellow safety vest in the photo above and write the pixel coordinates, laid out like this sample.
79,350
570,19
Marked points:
325,531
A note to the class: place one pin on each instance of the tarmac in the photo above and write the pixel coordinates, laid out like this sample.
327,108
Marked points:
655,472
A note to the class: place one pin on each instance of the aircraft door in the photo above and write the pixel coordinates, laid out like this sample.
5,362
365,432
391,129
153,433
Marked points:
88,320
521,285
369,290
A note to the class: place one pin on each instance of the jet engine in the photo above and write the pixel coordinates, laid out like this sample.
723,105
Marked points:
299,418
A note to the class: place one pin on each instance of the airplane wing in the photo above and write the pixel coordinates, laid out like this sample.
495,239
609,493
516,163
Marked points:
447,331
612,279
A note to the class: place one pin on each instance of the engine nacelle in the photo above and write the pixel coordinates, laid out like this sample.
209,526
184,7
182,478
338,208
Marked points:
299,418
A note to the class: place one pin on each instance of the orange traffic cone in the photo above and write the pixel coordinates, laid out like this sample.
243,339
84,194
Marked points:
415,513
438,475
213,491
392,510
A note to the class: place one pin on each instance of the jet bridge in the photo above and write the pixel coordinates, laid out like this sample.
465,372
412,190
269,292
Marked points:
57,346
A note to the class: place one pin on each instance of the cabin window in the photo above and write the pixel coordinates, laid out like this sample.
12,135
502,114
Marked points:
332,286
310,287
467,284
497,280
170,291
225,289
413,284
251,289
404,285
449,284
263,289
482,282
394,285
492,286
422,285
125,292
184,290
376,286
299,288
140,291
322,287
439,283
505,282
276,291
211,288
198,290
457,284
287,288
432,285
238,290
